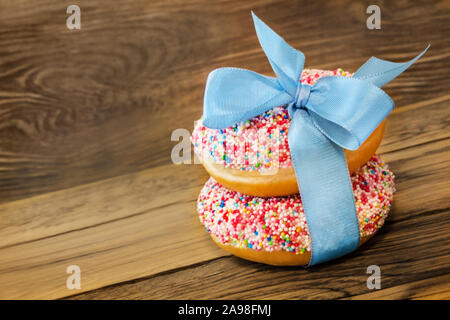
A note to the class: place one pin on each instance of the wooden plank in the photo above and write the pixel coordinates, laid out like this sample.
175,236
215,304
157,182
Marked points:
421,179
435,288
147,242
406,251
80,106
417,123
98,203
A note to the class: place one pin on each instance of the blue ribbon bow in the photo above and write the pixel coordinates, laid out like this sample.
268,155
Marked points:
334,113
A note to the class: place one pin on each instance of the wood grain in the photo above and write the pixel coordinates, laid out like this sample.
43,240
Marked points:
428,289
79,106
233,278
121,248
85,123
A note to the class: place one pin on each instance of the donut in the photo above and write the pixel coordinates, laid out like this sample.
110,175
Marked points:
253,157
273,230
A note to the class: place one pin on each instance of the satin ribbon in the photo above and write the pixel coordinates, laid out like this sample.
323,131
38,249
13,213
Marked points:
335,113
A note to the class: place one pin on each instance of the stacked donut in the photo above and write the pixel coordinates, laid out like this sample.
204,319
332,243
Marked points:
251,205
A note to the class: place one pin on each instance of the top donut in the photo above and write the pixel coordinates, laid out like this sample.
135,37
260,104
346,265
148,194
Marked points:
258,144
253,157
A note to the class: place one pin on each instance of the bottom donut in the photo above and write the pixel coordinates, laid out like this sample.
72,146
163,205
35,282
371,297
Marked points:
274,230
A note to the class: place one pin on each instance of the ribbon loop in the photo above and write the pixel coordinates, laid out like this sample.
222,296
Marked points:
348,110
233,95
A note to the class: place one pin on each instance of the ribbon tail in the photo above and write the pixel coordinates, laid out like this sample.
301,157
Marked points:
286,62
380,72
233,95
325,189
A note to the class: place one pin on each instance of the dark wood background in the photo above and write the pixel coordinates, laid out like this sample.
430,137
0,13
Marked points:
86,118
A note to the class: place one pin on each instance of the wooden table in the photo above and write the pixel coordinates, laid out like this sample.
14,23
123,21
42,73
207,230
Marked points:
86,118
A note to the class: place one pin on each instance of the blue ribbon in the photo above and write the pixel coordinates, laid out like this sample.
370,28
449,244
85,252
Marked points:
334,113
